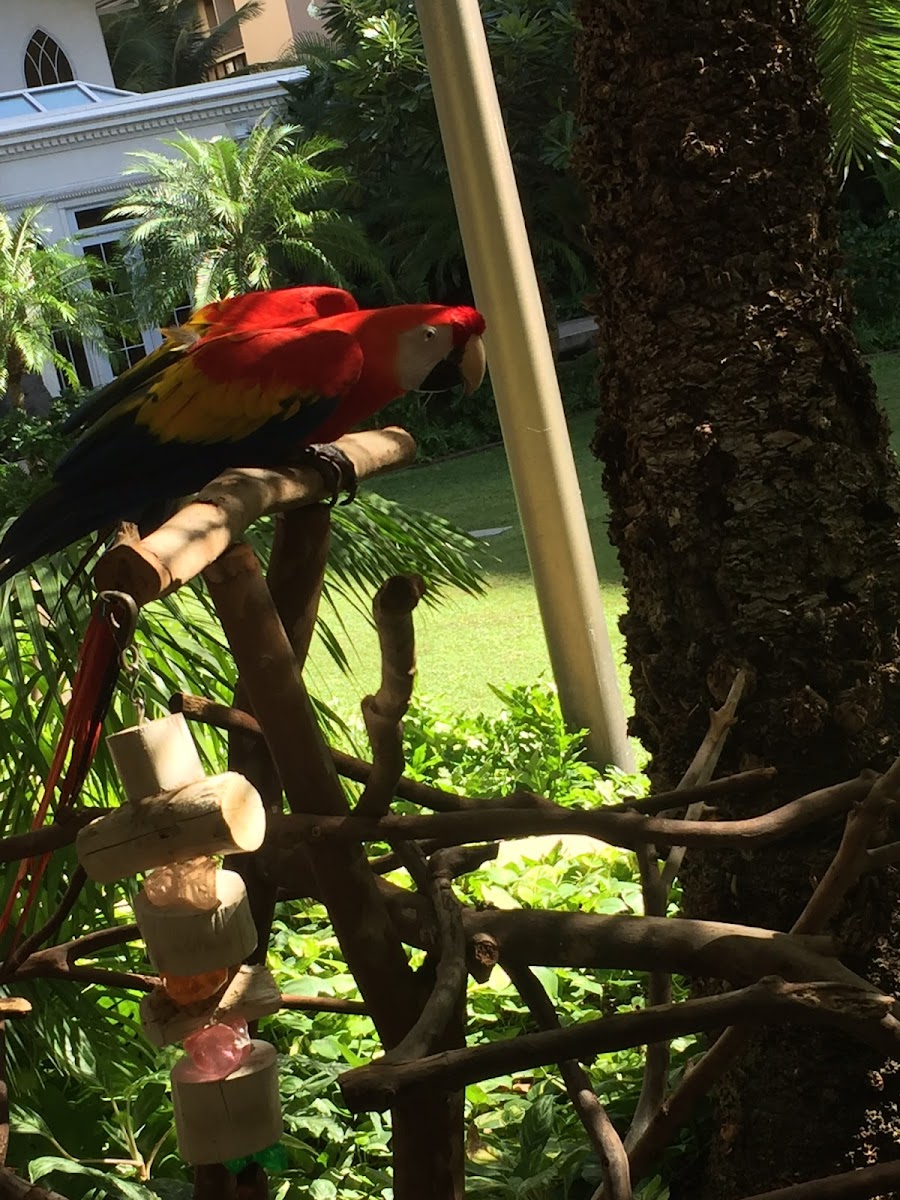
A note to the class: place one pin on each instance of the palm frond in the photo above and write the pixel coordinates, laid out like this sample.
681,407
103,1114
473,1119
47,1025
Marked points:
859,62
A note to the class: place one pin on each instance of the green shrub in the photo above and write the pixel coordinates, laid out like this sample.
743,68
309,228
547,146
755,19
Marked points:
872,263
471,422
526,747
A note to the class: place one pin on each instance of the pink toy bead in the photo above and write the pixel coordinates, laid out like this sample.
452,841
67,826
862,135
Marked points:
218,1050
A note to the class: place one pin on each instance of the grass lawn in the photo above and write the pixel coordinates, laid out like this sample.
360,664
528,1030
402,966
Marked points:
469,643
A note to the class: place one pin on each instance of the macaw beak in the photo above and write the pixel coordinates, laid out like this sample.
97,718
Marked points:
464,367
472,365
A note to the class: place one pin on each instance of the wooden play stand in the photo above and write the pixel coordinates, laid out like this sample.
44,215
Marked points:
174,814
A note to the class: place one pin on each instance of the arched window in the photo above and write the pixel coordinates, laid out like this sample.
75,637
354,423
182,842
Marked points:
45,62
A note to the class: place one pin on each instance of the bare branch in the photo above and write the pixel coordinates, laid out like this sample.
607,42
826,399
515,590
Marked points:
49,928
12,1007
701,769
449,985
221,716
713,1065
882,856
334,1004
269,670
202,531
45,964
852,1185
659,991
625,829
13,1187
706,759
851,860
757,780
62,832
656,883
383,713
600,1130
864,1014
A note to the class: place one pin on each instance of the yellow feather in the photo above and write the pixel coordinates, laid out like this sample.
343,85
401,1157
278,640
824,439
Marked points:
185,406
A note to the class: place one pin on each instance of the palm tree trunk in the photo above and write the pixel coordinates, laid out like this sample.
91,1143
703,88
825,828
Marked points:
15,373
754,499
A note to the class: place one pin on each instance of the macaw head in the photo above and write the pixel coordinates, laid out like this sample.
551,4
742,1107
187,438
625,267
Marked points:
415,348
441,350
432,348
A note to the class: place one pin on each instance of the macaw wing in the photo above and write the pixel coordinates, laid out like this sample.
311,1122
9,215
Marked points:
272,309
238,399
292,306
136,377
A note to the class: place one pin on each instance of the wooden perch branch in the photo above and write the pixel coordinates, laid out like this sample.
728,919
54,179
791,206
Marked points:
221,716
448,990
359,916
627,829
863,825
600,1130
269,670
655,1077
62,832
48,929
701,769
14,1187
383,713
851,1185
744,782
195,537
863,1013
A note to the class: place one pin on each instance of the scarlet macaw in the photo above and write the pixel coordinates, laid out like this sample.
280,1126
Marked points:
247,397
276,309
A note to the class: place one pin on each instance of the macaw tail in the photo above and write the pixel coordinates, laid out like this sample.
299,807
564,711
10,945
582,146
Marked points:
54,521
108,633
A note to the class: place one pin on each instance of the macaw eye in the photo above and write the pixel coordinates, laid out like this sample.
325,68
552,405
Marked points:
429,333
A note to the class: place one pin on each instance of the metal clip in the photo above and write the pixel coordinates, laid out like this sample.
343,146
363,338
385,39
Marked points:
121,613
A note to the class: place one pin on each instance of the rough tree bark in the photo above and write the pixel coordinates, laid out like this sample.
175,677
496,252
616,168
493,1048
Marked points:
754,499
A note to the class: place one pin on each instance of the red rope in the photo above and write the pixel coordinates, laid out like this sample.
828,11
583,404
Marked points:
92,691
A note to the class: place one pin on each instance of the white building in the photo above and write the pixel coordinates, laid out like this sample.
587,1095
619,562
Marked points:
66,132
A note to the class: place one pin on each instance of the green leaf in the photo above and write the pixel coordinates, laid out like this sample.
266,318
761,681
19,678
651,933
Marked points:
859,61
323,1190
40,1167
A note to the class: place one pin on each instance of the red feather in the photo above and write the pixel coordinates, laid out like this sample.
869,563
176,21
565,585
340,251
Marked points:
92,691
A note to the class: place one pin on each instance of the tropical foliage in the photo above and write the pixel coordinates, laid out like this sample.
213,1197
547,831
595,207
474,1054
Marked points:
158,44
369,86
44,289
228,216
859,62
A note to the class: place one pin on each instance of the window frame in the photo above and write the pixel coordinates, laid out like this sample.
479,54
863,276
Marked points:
34,60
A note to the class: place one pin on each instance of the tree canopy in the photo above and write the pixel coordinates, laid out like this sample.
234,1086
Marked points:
228,216
158,44
44,289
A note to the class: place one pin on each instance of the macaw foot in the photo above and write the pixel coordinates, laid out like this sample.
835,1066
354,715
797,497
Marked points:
334,466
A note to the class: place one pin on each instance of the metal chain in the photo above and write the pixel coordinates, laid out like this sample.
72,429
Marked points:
132,669
121,612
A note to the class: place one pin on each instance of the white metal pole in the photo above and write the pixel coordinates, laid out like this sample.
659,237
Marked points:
523,374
